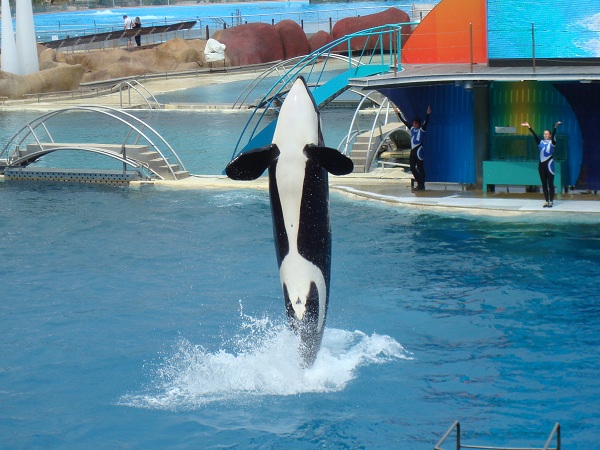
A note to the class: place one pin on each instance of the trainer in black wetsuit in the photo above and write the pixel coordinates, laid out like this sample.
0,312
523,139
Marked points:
416,146
546,147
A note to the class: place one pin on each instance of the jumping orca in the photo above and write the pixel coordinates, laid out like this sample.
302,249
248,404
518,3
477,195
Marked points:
299,164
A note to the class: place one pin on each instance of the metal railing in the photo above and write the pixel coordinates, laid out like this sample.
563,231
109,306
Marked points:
280,70
373,51
459,445
136,131
138,87
377,134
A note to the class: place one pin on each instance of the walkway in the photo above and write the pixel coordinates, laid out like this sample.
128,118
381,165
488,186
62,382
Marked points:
116,35
392,186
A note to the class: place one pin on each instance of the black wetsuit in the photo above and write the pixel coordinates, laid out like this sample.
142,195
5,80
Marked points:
546,166
138,38
416,150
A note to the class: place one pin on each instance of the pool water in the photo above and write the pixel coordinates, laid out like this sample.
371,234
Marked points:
203,139
148,318
154,318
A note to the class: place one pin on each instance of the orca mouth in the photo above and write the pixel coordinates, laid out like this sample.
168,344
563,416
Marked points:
307,328
311,306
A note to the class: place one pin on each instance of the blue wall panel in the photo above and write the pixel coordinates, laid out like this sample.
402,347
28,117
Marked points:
585,100
449,144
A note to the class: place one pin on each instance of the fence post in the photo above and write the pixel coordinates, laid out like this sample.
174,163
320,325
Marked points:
471,44
533,46
124,153
207,35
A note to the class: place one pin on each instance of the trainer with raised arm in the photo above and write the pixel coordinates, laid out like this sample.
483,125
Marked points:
417,129
546,148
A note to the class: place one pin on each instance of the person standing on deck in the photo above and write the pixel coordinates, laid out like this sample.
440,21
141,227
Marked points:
137,23
417,129
546,166
127,25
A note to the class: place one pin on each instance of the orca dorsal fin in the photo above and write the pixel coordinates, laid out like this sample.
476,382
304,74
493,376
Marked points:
251,164
330,159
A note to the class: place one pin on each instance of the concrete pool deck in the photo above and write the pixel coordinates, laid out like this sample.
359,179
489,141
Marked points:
392,186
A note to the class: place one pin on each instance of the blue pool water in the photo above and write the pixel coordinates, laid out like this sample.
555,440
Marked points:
314,16
151,318
204,140
154,319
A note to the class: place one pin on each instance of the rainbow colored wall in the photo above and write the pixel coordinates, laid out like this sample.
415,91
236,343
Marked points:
542,105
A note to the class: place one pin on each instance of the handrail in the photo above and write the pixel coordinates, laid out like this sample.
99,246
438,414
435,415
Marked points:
456,425
344,142
372,151
275,68
459,446
354,121
555,430
132,85
133,123
393,31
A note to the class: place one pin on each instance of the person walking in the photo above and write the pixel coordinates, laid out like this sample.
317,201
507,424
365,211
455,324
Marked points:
546,148
417,130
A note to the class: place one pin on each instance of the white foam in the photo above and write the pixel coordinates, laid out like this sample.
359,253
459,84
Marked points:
262,360
589,42
106,12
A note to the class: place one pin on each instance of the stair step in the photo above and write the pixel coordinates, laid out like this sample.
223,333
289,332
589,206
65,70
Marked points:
182,174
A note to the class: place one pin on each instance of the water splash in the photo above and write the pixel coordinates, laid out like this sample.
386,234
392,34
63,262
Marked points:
262,360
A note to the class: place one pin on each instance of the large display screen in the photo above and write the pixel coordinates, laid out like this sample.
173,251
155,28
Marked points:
559,29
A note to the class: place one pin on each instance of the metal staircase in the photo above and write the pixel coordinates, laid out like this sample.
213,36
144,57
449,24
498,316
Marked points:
366,145
362,145
139,147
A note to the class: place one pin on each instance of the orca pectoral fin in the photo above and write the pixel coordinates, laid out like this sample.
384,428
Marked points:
251,164
330,159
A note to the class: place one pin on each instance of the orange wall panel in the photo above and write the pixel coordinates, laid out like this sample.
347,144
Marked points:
444,34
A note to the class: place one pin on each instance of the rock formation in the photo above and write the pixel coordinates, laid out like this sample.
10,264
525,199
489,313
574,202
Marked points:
319,39
65,71
293,39
251,43
53,77
351,25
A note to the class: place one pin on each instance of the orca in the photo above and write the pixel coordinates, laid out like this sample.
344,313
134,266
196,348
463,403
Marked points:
298,165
